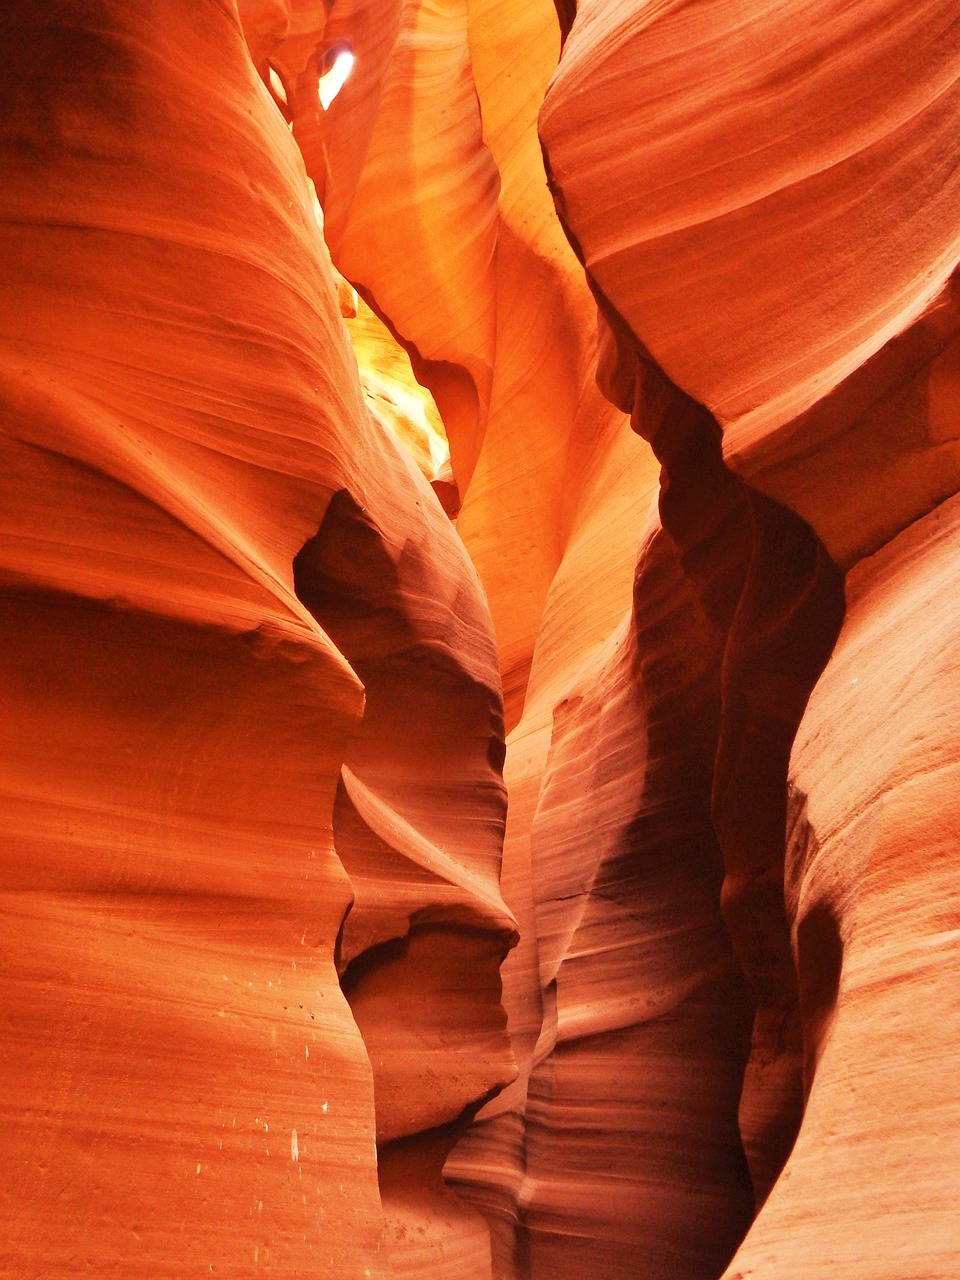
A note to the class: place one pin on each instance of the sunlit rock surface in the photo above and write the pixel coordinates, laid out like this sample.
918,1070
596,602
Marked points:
780,247
791,165
436,208
655,430
211,706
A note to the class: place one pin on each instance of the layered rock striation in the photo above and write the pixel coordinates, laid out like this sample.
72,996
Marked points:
626,495
207,538
828,393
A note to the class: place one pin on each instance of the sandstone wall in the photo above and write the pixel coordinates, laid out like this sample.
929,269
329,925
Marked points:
286,983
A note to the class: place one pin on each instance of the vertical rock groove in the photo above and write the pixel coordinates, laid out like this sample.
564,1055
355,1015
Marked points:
418,824
286,987
634,1157
774,601
780,639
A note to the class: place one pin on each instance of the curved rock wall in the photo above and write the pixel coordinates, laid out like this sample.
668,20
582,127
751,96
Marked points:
435,207
788,165
263,999
873,897
741,197
190,759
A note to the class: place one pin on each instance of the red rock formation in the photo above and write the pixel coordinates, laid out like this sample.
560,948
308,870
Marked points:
185,1084
873,896
418,826
633,1152
436,209
252,803
788,165
818,394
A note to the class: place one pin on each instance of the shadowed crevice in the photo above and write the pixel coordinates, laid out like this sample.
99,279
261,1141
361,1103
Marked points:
417,824
773,600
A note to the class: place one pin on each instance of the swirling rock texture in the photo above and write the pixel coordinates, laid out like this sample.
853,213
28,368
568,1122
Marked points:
260,879
777,235
238,631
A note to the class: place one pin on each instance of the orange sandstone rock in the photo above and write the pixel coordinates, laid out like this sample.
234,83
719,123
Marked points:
873,897
185,1086
436,208
834,383
781,197
252,809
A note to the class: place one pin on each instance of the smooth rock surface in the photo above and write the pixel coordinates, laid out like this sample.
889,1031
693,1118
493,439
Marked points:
293,548
790,165
186,1088
873,896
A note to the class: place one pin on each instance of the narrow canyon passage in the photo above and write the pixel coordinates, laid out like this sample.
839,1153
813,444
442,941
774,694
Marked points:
478,657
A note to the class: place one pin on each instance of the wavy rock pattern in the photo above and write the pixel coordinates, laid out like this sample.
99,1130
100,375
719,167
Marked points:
789,165
632,1131
873,896
418,826
185,1086
263,999
836,396
436,209
888,434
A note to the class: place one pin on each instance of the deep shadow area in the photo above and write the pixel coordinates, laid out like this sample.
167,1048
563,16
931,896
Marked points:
772,601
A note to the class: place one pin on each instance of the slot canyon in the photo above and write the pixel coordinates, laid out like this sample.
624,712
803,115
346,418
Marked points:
480,639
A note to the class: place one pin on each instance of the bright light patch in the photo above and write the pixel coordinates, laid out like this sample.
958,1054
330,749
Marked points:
276,84
332,81
405,413
394,396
